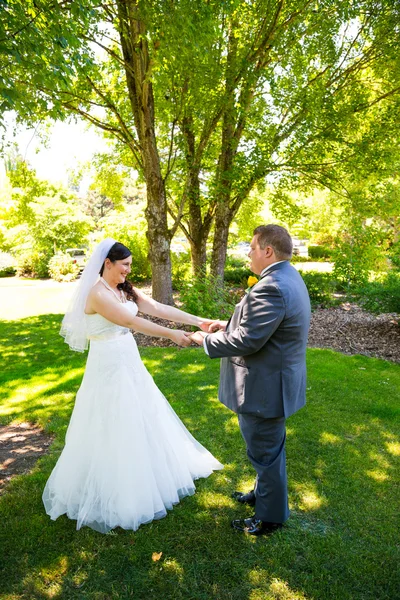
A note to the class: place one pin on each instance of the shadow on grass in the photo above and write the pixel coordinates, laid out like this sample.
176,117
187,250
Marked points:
343,453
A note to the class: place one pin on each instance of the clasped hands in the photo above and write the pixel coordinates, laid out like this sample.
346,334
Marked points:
184,338
206,326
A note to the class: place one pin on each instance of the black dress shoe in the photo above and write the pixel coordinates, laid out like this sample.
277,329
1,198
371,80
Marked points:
254,526
249,498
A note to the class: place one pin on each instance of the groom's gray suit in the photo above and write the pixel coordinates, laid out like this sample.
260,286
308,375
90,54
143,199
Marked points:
263,375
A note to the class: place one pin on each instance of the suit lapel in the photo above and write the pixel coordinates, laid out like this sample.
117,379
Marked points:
276,267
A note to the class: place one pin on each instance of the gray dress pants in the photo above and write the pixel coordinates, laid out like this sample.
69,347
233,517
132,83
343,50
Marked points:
265,441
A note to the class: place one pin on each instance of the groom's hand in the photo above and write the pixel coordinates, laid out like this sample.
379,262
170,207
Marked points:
209,325
217,325
198,337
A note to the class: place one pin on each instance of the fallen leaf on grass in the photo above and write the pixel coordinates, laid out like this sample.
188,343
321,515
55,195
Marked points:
155,557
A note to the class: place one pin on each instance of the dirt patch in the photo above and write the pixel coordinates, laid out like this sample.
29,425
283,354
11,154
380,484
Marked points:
346,328
20,447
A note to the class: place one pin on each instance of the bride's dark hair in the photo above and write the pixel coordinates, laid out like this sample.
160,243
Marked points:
118,252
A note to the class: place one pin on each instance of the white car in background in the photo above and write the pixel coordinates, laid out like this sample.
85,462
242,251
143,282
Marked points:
241,249
78,256
300,247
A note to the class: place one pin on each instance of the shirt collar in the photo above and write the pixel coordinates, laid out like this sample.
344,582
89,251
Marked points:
265,271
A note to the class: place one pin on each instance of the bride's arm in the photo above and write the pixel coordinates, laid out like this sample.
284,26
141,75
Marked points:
100,302
151,307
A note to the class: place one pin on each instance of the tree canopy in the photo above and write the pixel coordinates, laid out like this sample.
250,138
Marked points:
207,99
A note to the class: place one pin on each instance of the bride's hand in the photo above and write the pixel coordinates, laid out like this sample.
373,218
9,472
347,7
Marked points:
204,324
181,338
198,337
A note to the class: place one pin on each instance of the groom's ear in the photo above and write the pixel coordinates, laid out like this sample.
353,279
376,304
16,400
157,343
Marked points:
268,251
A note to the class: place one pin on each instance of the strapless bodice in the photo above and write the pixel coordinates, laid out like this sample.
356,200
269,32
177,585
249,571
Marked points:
100,328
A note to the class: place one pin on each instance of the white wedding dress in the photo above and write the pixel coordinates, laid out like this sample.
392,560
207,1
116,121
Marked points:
127,457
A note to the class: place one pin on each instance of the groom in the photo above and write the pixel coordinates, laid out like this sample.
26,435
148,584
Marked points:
263,370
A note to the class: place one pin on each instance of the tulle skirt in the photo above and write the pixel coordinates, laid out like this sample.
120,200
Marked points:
127,458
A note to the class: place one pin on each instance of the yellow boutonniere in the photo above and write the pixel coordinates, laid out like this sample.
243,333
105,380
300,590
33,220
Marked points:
250,282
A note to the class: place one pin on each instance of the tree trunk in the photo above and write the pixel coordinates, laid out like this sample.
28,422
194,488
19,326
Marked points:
223,219
198,227
199,256
159,241
138,76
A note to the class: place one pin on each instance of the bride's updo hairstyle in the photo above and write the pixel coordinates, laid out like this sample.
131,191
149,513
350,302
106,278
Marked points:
118,252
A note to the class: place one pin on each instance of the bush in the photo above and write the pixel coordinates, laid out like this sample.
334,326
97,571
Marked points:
320,252
63,268
303,259
321,287
32,264
208,298
181,269
236,271
394,255
358,252
380,296
8,265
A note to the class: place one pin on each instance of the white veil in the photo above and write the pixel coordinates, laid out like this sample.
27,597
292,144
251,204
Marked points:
73,327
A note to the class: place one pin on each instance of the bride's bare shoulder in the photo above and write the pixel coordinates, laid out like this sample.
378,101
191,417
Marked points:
97,291
97,294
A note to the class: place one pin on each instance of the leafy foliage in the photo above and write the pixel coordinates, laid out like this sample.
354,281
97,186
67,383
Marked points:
38,220
321,251
207,100
32,263
356,254
180,269
394,255
321,287
63,268
236,271
380,296
208,297
128,227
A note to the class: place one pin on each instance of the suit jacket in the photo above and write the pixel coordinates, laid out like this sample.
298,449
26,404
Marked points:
263,350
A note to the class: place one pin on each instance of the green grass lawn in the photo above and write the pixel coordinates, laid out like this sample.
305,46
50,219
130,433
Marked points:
343,450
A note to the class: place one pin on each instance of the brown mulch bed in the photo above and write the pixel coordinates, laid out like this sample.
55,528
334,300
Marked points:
351,330
346,328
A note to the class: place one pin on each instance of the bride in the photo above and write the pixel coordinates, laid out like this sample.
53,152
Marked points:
127,456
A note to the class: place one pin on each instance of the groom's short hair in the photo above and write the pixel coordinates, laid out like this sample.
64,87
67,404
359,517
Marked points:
277,237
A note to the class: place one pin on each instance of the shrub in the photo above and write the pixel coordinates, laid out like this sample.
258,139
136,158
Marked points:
380,296
8,264
303,259
32,264
209,298
357,252
181,269
236,271
63,268
394,255
320,252
321,287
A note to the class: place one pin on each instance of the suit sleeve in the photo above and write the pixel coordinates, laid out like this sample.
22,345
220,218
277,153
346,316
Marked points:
262,313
